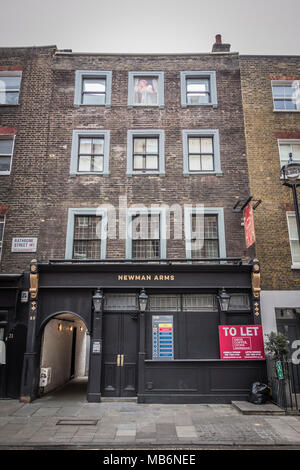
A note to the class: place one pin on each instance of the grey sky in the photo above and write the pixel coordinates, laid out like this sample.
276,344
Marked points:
251,27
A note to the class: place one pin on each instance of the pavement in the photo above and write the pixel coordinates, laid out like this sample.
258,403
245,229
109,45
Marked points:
132,425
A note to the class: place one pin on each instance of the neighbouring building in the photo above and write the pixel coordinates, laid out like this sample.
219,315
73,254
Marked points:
119,174
271,103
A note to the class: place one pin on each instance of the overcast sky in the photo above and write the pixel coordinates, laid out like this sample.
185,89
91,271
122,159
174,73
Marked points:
251,27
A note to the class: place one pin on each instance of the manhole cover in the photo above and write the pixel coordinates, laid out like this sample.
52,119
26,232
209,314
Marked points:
77,422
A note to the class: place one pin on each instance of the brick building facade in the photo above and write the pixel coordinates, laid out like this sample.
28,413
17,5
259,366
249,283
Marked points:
40,189
272,131
152,131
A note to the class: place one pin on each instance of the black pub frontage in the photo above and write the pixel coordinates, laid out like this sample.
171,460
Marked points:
152,327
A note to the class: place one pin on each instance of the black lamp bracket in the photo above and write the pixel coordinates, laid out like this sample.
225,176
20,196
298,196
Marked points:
240,205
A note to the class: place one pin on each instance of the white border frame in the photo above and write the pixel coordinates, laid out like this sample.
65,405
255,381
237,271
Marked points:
295,265
72,211
219,211
13,138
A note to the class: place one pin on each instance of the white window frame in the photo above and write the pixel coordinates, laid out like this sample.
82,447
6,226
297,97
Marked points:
210,75
283,83
72,212
214,133
295,264
8,137
161,151
1,240
81,74
133,211
188,212
160,79
286,142
12,73
89,133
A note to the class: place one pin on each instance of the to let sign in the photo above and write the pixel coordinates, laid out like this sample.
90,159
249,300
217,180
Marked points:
241,342
24,245
249,226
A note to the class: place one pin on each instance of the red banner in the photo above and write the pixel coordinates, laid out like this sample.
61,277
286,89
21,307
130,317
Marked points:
249,226
241,342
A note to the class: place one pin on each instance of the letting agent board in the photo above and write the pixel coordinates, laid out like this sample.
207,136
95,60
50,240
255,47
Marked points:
241,342
162,337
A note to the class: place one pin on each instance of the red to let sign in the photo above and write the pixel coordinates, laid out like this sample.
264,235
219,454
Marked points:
249,226
241,342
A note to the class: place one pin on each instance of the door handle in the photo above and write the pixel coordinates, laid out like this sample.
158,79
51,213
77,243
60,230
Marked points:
122,360
118,360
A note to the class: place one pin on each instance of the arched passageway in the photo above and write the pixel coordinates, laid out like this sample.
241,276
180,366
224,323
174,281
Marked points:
65,356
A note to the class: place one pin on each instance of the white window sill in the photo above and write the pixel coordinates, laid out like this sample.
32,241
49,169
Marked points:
295,266
89,173
4,173
286,110
214,105
213,173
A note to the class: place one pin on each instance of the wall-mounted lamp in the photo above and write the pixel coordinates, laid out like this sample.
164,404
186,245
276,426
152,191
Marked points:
60,327
98,298
143,300
223,299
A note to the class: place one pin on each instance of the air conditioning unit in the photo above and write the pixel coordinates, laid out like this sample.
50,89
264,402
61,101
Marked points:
45,376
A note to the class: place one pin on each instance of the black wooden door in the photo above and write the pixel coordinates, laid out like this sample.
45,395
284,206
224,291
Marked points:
291,330
120,348
15,349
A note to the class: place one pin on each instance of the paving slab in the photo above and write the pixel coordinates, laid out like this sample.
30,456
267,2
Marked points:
247,408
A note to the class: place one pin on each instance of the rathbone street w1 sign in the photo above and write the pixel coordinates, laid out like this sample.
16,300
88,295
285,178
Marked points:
241,342
24,245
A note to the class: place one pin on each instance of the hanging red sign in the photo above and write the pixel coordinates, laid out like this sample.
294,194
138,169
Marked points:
241,342
249,226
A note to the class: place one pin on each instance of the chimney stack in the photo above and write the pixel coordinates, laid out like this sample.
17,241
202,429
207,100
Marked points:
219,46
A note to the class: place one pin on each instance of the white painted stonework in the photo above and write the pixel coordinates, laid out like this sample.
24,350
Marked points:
57,351
276,299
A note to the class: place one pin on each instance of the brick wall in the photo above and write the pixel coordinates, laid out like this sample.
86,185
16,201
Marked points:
263,127
40,189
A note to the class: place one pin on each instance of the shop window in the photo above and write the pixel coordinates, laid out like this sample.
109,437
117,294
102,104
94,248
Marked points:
198,303
201,152
146,237
10,83
90,152
286,147
86,234
198,88
92,88
120,302
145,152
205,232
2,222
286,95
6,153
287,313
294,240
164,303
145,89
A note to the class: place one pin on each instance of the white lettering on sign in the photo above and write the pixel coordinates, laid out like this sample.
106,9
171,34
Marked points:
244,331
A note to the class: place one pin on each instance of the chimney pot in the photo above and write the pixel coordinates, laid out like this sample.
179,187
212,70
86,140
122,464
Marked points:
219,46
